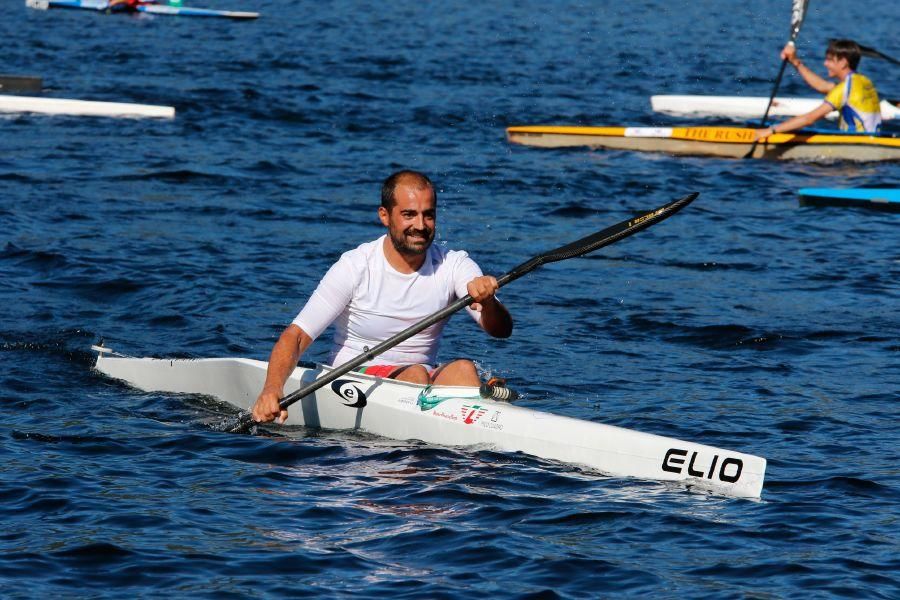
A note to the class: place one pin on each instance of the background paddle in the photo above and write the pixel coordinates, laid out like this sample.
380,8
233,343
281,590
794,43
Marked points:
16,84
798,12
578,248
873,53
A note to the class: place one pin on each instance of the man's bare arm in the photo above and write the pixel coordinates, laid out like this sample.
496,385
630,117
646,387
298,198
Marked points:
821,85
795,122
290,346
495,319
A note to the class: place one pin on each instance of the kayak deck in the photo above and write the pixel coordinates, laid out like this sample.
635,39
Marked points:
391,409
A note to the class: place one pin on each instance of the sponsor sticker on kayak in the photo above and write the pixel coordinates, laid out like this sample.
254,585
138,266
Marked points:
471,413
729,470
652,132
703,134
349,392
715,134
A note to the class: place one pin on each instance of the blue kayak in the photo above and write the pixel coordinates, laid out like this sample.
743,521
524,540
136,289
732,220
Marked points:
149,7
887,199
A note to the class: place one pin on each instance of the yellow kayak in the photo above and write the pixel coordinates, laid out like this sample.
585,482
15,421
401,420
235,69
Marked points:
728,142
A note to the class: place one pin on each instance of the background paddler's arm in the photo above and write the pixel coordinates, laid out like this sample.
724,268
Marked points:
797,122
820,84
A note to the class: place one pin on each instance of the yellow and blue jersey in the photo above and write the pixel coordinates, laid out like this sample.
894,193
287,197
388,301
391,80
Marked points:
856,101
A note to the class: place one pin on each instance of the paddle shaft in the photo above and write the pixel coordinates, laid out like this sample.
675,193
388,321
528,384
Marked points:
577,248
768,107
798,12
774,92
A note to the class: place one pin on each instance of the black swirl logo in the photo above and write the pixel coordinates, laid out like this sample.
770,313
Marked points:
348,391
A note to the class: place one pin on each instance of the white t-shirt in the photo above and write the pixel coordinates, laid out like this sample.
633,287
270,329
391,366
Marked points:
369,301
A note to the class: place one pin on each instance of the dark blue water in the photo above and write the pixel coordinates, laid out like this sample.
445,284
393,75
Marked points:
745,322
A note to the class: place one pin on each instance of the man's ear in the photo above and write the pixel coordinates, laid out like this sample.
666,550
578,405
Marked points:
383,215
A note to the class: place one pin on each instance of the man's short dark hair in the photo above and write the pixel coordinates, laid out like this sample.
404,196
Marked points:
414,178
845,49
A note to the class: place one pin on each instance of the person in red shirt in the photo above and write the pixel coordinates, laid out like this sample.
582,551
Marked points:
125,5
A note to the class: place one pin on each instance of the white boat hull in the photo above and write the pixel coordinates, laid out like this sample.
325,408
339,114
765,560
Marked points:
62,106
390,409
150,8
741,108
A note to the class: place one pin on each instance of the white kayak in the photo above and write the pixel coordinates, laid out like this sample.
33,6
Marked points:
63,106
740,108
148,6
450,416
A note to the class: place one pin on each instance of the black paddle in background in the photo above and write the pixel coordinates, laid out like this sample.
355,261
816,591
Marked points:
798,13
873,53
18,84
577,248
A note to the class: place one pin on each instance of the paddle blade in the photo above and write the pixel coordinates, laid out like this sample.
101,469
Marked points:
873,53
243,423
618,231
601,238
798,13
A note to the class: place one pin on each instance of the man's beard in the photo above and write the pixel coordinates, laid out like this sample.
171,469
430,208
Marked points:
401,245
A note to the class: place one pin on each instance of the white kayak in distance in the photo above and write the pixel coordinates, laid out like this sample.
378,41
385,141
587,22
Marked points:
742,108
154,8
449,416
92,108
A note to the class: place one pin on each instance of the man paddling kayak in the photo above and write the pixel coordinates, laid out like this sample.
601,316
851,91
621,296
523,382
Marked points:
382,287
854,97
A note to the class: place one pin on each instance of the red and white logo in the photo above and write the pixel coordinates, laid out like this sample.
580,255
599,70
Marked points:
472,413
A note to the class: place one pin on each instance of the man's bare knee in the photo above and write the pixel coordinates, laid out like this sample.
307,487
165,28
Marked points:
458,372
413,374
